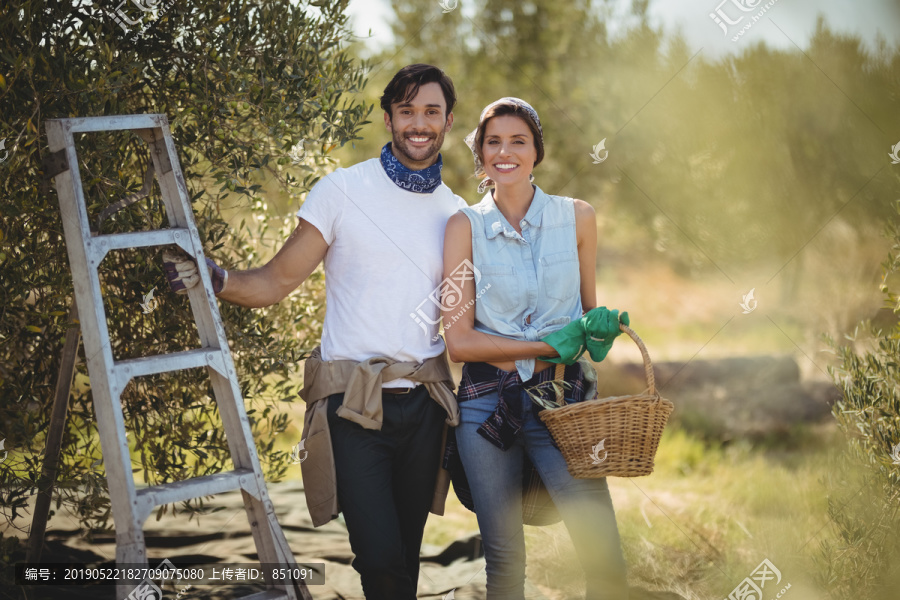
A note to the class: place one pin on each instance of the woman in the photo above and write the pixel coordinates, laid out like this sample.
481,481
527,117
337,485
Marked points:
533,257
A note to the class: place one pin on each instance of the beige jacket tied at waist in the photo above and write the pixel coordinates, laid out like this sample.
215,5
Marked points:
361,384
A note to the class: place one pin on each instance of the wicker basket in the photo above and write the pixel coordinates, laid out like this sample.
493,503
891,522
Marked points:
611,437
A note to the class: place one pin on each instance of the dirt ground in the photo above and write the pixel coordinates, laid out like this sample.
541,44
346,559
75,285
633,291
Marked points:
224,537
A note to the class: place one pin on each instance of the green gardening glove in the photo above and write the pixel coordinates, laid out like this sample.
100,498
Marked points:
601,327
568,342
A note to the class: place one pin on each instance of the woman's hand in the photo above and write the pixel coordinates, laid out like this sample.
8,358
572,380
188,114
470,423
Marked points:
569,343
601,327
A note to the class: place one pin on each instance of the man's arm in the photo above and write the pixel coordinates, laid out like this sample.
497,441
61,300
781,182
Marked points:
271,283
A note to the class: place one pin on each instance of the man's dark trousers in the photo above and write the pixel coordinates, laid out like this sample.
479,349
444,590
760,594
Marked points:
385,485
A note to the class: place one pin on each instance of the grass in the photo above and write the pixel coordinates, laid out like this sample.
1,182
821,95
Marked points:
706,517
702,522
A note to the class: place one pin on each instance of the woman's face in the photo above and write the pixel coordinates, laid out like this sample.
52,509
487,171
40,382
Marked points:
508,149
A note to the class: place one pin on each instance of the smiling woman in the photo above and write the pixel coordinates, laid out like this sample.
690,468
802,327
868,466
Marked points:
504,131
535,253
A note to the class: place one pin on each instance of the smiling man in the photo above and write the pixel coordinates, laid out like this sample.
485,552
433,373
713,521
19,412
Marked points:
378,389
382,388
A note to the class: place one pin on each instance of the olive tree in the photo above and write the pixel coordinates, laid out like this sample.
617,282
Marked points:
258,95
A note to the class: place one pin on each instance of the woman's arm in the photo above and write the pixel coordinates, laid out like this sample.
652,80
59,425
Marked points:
463,342
586,231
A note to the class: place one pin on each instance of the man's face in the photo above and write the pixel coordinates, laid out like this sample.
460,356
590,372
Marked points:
418,127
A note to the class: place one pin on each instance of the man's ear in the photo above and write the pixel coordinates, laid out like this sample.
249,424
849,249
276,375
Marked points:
449,124
387,121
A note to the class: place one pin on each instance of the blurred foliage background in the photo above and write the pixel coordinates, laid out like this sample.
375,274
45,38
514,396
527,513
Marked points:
765,169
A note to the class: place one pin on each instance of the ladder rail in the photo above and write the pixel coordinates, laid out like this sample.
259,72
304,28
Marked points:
203,304
95,336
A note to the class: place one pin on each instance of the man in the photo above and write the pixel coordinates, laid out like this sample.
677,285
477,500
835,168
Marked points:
379,389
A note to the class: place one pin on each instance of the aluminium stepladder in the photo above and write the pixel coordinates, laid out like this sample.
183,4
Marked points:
86,250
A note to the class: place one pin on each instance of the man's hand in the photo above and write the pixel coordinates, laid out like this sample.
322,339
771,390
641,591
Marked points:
601,327
181,271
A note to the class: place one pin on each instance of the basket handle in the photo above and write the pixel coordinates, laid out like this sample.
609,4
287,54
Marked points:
558,374
648,366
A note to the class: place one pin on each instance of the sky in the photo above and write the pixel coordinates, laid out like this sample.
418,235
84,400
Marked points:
784,24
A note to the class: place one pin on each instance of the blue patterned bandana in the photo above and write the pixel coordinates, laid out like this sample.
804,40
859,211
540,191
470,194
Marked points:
421,182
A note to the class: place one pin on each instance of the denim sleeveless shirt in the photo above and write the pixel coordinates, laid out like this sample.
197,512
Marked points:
534,279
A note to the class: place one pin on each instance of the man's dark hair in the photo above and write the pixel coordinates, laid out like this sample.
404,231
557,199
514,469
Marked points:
406,83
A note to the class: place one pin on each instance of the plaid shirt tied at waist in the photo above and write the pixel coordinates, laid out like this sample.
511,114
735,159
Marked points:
504,424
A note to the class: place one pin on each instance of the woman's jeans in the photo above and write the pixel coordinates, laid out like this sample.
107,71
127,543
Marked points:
495,477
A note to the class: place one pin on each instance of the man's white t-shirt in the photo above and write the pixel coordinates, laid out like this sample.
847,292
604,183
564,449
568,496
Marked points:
383,264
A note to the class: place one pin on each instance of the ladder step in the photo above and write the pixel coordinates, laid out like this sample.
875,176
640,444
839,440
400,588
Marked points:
271,594
115,122
196,487
163,363
142,239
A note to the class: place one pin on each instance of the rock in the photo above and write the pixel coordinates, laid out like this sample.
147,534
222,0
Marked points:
740,371
732,397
